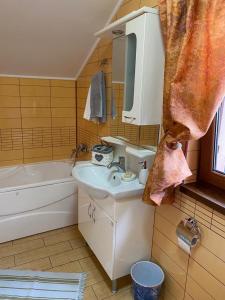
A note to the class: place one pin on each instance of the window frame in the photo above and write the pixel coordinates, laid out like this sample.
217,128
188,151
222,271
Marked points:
206,173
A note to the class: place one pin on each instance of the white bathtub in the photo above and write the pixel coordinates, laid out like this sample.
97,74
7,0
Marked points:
35,198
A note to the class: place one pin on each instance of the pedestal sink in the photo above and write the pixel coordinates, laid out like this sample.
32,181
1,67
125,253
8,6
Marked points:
102,182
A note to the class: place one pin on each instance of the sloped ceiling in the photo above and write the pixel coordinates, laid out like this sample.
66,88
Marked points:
49,38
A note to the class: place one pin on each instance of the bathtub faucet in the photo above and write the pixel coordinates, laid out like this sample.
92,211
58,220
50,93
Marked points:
79,148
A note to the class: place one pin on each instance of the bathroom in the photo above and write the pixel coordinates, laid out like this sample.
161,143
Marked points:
76,198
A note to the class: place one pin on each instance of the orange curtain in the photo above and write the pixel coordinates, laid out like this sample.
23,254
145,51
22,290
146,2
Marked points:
194,85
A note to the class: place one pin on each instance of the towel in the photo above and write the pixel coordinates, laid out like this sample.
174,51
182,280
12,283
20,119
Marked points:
113,105
95,108
98,97
87,111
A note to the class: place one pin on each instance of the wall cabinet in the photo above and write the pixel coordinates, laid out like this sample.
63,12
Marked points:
144,70
119,232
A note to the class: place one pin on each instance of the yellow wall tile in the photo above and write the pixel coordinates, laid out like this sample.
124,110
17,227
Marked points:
9,90
63,102
62,92
187,297
14,162
128,7
11,155
9,80
37,159
151,3
210,262
63,151
82,93
10,123
206,281
195,291
173,288
34,91
7,112
63,112
8,101
34,81
36,122
36,112
171,249
63,83
28,102
35,102
37,152
63,122
169,265
205,268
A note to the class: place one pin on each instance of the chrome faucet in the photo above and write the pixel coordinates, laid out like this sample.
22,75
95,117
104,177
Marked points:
79,148
120,165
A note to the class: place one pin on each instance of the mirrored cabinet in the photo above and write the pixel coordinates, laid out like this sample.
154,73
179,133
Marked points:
137,76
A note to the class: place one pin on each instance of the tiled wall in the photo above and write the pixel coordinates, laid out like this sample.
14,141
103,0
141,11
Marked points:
90,132
37,120
139,135
200,276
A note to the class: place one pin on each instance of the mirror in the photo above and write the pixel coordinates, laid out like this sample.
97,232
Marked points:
139,135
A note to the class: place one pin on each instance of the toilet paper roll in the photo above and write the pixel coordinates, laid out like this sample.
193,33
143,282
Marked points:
186,247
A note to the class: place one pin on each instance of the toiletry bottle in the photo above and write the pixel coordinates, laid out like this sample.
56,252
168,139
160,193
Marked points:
143,174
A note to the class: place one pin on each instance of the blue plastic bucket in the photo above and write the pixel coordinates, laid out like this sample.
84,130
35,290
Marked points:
147,280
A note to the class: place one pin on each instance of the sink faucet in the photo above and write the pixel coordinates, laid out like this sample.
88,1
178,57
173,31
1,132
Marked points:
120,165
79,148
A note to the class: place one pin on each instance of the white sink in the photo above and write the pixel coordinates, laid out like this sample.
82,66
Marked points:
100,182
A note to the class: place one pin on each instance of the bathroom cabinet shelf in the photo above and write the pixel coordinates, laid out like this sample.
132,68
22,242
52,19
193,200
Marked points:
118,231
119,24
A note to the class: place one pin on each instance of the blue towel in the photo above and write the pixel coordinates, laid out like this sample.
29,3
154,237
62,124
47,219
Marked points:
98,97
113,106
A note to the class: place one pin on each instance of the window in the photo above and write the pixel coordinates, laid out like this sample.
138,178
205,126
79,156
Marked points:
219,143
212,154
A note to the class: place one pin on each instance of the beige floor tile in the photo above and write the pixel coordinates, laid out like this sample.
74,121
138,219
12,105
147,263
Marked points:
70,267
36,265
37,236
102,290
72,255
94,276
7,262
71,227
61,237
62,250
77,242
123,295
15,249
89,294
42,252
90,263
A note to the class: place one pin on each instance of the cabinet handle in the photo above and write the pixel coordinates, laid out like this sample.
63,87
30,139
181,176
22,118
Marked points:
89,213
93,214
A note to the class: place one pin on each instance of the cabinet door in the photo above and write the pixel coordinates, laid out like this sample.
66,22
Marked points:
103,238
85,223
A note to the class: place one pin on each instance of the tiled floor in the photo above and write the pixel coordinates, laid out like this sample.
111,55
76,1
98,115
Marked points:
62,250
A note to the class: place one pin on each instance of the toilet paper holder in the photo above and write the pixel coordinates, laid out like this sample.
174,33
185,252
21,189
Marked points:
189,232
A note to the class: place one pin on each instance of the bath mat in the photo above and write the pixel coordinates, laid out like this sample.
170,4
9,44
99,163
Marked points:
41,285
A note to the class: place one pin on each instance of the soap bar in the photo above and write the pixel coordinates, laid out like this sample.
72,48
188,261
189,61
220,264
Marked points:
128,176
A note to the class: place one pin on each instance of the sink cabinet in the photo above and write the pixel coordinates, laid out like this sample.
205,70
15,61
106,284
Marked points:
119,232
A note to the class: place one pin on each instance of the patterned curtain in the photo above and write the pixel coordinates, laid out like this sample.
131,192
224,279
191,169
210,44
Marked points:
194,86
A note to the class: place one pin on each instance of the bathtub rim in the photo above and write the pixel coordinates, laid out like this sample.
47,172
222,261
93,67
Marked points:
40,183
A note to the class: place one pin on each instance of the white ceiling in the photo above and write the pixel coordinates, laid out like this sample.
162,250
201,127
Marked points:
49,38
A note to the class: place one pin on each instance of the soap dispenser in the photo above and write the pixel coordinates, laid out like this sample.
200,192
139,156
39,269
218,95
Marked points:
143,174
